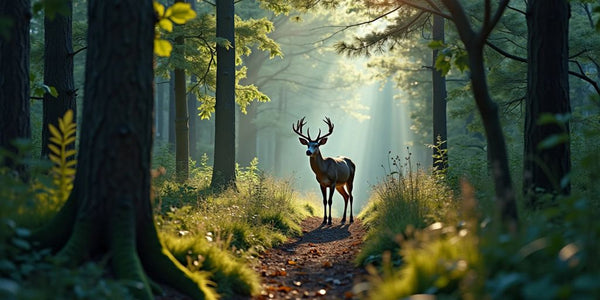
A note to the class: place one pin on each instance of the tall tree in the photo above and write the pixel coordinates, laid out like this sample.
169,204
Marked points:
14,76
439,102
546,165
182,138
224,157
194,121
58,70
109,208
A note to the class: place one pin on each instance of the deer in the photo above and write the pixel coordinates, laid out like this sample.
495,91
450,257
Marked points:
335,173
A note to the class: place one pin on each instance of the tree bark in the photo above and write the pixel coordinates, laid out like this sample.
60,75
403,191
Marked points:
14,78
440,161
224,156
544,169
182,138
194,122
58,73
171,121
109,209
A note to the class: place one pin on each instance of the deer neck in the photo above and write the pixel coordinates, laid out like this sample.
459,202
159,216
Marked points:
317,163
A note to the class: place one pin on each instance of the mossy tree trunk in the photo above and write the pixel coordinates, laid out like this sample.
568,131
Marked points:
109,210
58,72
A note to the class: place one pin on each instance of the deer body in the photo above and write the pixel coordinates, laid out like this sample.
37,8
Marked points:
333,173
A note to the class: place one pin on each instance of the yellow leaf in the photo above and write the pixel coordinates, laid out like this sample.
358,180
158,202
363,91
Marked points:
69,172
69,140
159,9
61,125
54,132
166,24
162,47
68,117
71,163
180,12
55,140
54,159
54,149
70,153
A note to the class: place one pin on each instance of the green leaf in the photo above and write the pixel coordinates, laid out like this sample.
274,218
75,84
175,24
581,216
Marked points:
442,64
436,45
553,141
50,90
461,61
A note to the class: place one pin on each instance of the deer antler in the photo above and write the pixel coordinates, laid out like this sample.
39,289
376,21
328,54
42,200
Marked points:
328,122
298,128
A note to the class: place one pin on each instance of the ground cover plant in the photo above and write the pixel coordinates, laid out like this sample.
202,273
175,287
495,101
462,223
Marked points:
463,254
215,235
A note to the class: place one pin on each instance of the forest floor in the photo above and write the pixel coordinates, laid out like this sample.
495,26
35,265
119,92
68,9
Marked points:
318,264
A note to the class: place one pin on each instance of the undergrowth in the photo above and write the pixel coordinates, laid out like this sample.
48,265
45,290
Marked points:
461,253
406,197
215,234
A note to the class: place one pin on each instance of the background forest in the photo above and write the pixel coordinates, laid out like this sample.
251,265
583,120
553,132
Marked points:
146,145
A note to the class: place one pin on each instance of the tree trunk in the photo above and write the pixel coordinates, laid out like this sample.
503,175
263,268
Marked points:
247,135
171,122
546,168
14,78
182,138
440,158
496,146
58,73
109,209
194,122
224,156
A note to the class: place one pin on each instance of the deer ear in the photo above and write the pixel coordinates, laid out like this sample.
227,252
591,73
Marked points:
323,141
303,141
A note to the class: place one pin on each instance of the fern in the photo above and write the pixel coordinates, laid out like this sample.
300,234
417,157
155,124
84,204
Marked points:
63,171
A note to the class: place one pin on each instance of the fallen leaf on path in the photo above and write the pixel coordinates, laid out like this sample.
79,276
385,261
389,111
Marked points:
291,262
327,264
281,272
348,295
284,288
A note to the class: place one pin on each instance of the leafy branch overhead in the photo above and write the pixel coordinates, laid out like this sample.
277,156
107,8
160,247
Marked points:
179,13
251,35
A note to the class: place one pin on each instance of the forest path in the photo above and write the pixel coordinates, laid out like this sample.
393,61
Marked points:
319,264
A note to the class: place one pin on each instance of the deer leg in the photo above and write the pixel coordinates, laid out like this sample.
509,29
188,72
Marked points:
323,191
349,187
342,192
331,191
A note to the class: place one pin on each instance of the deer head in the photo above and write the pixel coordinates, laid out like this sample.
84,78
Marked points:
313,145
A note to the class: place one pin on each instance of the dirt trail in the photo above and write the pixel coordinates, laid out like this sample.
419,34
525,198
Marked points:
319,264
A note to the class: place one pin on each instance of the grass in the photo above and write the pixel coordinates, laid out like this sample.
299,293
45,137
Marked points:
216,235
415,199
460,252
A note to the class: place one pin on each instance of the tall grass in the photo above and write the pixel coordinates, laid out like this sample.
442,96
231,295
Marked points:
221,233
408,197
